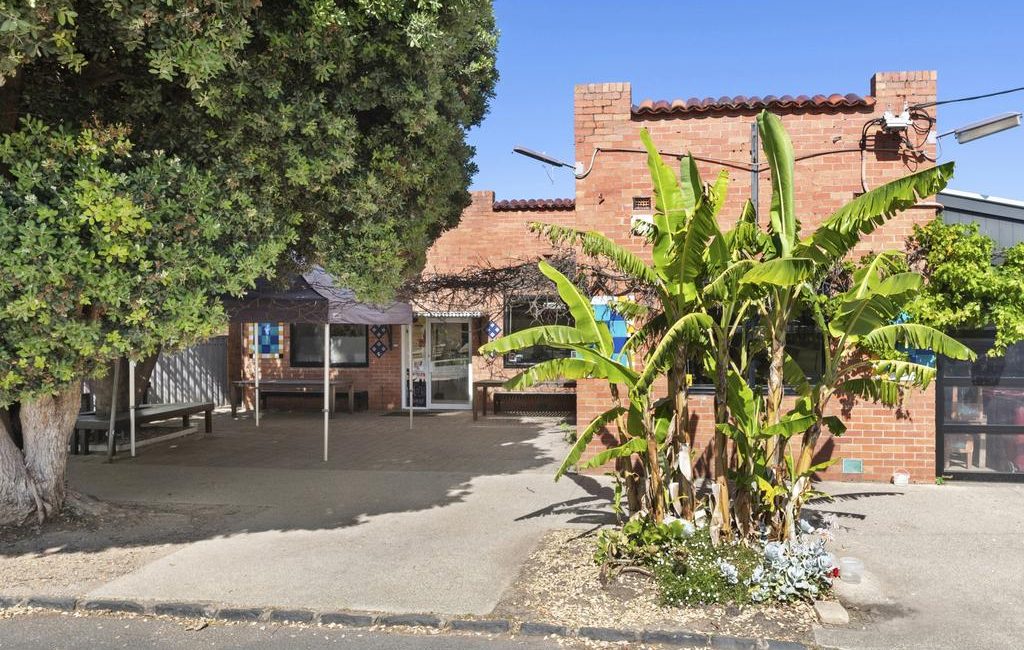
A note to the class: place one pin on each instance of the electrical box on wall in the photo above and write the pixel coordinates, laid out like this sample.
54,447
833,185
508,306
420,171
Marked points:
853,466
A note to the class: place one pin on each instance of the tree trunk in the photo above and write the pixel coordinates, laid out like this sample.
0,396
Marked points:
776,387
681,444
655,484
103,388
32,478
721,440
626,467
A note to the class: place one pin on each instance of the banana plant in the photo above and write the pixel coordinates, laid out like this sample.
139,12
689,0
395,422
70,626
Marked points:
790,265
862,331
684,239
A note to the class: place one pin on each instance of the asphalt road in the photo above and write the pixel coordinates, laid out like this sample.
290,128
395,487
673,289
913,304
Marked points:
51,631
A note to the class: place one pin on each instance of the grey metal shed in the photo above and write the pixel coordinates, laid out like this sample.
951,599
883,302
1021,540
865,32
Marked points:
1001,219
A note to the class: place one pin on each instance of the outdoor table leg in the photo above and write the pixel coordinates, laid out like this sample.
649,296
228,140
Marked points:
483,405
332,402
234,400
351,399
209,421
476,390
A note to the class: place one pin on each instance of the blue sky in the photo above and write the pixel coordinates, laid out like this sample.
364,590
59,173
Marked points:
686,49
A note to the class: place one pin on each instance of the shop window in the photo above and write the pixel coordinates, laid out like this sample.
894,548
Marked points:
349,346
525,313
980,414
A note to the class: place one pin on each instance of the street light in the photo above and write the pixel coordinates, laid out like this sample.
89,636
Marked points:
985,127
577,168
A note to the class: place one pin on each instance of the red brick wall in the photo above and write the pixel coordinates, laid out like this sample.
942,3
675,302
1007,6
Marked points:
486,236
381,379
885,439
604,119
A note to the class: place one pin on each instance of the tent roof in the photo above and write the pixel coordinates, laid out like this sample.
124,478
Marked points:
312,297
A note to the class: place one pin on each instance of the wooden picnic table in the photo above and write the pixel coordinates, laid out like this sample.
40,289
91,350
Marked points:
481,386
88,422
295,387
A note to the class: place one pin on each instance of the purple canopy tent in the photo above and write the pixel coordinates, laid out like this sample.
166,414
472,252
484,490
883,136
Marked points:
313,298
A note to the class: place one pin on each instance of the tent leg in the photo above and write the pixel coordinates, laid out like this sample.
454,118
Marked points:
131,403
327,385
409,377
256,368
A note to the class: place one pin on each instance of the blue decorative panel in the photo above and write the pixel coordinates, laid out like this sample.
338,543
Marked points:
380,331
268,339
493,330
619,327
378,348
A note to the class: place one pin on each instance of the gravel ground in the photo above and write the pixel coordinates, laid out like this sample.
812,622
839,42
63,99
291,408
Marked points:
94,543
560,584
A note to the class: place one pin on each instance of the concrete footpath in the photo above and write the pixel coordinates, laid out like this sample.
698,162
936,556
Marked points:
434,519
945,565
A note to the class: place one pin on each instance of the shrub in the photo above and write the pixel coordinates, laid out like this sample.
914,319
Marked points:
798,569
710,574
642,542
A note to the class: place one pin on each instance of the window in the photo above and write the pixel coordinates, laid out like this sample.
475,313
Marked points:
349,346
525,313
803,343
980,412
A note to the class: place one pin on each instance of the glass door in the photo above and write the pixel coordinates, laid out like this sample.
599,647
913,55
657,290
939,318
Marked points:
449,367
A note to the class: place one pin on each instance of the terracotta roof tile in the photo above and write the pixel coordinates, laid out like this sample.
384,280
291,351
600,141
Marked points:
739,102
510,205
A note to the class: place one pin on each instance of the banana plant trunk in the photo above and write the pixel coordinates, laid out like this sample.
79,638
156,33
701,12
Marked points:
681,443
655,483
626,467
794,503
776,386
721,442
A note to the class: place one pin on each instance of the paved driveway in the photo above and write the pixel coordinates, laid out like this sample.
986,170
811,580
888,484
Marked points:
433,519
945,565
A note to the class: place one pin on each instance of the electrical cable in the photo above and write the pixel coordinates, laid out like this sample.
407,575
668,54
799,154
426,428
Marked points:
967,99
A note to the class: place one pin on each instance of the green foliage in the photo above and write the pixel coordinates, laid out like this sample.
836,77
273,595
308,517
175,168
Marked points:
969,283
108,252
708,287
641,542
711,573
343,122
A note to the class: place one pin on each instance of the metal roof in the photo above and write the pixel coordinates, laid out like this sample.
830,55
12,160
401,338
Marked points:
999,218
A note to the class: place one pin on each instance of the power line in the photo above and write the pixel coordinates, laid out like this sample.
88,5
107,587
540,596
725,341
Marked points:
967,99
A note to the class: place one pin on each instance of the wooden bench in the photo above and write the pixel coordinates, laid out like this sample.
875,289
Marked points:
294,387
481,387
89,422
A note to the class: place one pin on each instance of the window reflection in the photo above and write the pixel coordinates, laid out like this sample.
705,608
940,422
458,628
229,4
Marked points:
984,405
984,453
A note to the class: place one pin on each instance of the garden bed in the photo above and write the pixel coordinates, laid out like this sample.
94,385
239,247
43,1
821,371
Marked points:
561,584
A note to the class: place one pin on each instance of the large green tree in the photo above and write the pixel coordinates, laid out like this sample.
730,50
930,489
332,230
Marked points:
160,153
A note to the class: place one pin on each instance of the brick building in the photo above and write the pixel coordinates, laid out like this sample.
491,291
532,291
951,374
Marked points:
831,169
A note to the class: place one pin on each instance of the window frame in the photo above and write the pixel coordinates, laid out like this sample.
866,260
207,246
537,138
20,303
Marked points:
991,431
507,318
320,364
